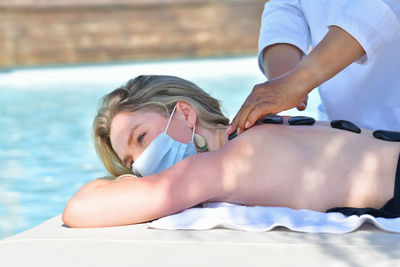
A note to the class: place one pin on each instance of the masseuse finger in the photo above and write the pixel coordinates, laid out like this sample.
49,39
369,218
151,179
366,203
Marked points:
242,119
259,105
235,122
303,104
256,109
301,107
259,111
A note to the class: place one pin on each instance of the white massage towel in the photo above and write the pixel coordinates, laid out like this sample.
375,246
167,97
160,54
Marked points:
258,219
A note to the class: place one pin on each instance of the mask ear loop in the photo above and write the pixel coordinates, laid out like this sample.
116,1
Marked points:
169,120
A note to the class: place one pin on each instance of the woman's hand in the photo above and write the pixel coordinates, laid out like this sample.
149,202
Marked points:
268,98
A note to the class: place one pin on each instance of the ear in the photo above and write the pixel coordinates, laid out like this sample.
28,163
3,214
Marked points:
188,113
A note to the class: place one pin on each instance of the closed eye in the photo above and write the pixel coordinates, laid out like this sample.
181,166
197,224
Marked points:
140,138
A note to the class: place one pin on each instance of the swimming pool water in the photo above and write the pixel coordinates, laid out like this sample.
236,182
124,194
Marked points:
46,152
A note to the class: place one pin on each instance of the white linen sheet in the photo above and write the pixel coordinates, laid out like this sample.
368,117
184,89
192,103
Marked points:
260,219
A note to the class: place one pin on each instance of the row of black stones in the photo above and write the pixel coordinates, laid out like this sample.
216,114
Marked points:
338,124
347,126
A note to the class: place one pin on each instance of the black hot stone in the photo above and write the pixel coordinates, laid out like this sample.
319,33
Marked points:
301,120
387,135
274,119
345,125
232,135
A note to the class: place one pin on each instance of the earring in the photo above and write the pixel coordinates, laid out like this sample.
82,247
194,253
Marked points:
201,143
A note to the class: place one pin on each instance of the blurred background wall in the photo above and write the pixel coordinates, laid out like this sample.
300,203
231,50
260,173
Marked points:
43,32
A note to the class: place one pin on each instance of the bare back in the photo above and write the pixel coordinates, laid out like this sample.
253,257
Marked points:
314,167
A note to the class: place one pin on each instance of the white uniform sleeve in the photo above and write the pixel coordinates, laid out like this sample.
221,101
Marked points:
283,22
372,23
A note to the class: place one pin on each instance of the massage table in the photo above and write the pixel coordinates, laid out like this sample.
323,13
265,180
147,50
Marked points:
53,244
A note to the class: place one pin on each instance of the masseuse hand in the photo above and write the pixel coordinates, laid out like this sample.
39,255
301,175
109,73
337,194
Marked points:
267,98
337,50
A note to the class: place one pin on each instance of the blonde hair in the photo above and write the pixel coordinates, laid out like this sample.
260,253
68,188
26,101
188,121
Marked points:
158,93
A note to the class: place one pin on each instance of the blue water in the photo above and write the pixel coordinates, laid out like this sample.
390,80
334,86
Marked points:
46,152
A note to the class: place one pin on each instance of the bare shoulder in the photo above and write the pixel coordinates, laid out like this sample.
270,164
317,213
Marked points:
249,144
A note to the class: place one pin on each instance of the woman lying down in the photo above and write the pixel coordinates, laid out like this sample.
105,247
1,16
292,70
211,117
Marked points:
171,133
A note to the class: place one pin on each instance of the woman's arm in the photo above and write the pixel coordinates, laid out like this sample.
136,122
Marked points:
114,202
134,200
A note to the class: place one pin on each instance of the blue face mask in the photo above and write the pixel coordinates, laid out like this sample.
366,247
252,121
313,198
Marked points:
162,153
